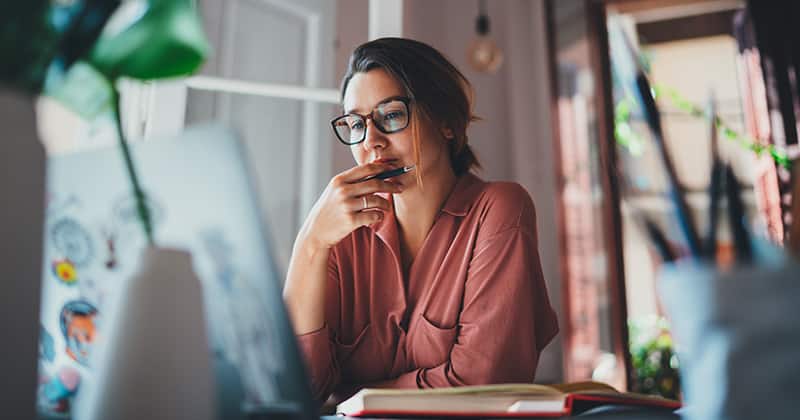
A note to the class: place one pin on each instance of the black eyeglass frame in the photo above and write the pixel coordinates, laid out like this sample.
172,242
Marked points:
405,100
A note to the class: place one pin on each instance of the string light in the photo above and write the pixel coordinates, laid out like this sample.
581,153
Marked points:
483,53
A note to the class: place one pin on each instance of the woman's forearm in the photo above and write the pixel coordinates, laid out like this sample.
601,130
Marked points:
304,292
347,203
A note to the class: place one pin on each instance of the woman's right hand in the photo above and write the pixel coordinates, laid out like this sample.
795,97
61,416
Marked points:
341,208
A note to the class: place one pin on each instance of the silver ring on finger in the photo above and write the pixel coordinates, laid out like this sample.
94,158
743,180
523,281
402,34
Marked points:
364,200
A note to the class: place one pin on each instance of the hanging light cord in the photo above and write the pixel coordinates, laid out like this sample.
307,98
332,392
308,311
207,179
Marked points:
482,23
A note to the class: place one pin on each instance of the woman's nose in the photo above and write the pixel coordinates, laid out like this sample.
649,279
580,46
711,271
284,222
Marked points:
374,137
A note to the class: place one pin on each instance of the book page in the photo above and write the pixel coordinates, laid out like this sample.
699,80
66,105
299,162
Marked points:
501,389
585,386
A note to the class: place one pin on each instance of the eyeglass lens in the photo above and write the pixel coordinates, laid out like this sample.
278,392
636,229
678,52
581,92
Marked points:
389,117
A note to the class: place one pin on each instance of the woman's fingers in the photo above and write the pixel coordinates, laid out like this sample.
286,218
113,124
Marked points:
370,187
348,202
364,218
369,201
356,174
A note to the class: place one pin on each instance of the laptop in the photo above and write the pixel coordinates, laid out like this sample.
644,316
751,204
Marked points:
201,200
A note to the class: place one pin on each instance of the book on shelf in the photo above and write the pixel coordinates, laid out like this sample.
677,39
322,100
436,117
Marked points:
501,400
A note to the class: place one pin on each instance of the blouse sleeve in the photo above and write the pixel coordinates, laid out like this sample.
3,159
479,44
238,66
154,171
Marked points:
318,347
506,318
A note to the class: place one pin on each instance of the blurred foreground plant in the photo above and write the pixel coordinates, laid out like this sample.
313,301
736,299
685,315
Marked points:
655,364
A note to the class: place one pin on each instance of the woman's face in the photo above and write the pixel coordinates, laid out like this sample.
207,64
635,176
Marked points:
364,92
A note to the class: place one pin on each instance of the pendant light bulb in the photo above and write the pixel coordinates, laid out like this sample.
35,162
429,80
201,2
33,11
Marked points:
483,53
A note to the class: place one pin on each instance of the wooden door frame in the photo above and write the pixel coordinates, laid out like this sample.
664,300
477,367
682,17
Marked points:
600,64
611,210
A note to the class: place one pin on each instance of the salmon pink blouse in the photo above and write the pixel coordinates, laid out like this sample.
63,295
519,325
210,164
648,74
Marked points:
472,309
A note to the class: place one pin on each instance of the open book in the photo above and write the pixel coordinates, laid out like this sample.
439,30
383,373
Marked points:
502,400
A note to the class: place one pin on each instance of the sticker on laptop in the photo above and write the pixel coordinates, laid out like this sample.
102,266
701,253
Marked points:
72,241
110,239
56,390
47,349
65,271
78,320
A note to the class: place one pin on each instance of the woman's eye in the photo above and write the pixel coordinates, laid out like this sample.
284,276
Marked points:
393,115
356,125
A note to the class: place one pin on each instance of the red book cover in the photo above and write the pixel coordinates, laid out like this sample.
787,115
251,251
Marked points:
501,401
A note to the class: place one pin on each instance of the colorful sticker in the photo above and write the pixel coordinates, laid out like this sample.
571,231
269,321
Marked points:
65,271
47,349
72,241
78,325
55,391
111,249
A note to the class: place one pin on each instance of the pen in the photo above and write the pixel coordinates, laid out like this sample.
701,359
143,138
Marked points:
659,240
390,173
635,81
716,185
656,236
736,214
684,213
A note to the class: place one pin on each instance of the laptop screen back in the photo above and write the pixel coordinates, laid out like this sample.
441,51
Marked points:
201,200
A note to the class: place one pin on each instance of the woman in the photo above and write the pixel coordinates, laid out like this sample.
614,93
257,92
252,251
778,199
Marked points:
428,279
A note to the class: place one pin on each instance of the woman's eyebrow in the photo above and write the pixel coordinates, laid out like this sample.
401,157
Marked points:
384,100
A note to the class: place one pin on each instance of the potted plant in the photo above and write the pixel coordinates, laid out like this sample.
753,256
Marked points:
143,40
150,40
35,36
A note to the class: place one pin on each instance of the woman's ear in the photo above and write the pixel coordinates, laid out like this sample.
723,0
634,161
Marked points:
447,133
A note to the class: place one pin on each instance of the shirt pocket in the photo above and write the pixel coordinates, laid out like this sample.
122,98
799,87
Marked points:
346,346
430,344
359,357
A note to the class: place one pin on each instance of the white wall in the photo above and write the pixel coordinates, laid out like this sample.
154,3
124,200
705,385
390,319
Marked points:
352,29
514,140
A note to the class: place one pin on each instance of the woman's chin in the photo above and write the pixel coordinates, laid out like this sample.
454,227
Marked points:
396,183
405,184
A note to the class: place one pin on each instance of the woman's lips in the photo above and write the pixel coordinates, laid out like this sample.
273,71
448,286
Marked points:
391,162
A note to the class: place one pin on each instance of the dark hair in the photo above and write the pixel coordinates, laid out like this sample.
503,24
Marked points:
439,91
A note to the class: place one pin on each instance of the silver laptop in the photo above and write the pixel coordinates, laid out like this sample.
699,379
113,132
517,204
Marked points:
201,200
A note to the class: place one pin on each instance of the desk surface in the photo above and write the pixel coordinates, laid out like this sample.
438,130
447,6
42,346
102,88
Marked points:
600,413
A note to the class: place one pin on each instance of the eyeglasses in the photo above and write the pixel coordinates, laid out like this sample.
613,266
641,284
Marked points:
390,116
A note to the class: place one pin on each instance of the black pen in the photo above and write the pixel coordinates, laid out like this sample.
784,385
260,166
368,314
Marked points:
390,173
676,190
736,215
654,233
634,78
659,240
716,185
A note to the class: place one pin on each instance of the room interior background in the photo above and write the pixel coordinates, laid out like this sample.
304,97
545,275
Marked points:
281,108
273,75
